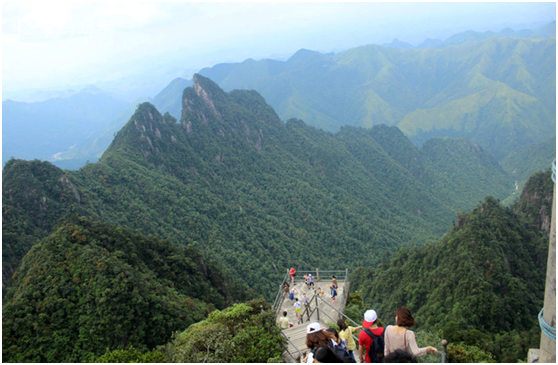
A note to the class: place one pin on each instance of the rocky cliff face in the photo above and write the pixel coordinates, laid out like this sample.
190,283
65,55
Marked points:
535,202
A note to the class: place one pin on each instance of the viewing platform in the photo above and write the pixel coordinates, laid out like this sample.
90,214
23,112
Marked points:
321,308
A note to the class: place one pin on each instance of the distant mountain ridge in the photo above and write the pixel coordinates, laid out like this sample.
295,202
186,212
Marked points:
499,91
477,85
44,130
251,192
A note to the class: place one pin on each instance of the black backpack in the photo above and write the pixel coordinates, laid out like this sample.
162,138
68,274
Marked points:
376,351
341,354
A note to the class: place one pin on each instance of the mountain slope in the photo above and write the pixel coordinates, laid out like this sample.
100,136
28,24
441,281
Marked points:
260,196
527,160
493,261
498,91
89,287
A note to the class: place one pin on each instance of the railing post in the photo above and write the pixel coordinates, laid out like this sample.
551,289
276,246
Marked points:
317,274
444,350
317,307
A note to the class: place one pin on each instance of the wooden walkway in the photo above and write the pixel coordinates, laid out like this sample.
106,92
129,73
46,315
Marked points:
322,310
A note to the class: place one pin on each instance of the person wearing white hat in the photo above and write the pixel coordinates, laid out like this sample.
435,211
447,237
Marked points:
371,332
314,338
317,341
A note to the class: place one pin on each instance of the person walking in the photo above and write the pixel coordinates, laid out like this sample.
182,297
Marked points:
367,338
292,294
400,338
305,300
284,321
339,346
346,334
297,305
319,343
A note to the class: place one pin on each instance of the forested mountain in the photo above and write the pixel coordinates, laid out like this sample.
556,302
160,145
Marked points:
527,160
498,91
253,193
89,287
46,129
482,283
470,36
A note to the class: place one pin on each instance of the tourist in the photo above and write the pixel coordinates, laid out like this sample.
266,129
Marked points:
318,341
297,306
292,294
333,292
367,337
400,356
314,338
292,272
399,337
284,321
305,300
338,346
346,334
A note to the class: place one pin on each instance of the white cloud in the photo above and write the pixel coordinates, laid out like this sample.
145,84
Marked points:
44,41
130,15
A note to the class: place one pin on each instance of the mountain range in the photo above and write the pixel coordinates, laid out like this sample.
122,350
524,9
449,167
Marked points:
215,206
46,129
497,89
234,180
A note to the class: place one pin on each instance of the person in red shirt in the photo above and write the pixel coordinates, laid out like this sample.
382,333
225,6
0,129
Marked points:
292,271
364,339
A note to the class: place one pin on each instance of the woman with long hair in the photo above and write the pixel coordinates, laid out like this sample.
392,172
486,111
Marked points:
317,340
346,334
399,337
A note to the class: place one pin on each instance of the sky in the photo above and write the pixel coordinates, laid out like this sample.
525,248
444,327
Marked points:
57,44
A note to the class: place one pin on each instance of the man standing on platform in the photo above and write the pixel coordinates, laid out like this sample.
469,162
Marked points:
292,271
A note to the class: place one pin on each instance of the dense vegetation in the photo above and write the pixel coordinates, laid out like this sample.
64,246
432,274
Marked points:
482,283
529,159
89,287
241,333
254,193
498,91
231,186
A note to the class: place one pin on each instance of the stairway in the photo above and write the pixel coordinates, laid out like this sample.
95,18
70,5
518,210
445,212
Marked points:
296,335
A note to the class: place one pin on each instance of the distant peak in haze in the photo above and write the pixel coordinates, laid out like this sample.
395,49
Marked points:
305,55
396,43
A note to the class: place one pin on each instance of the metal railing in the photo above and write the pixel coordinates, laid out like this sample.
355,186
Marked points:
341,275
294,346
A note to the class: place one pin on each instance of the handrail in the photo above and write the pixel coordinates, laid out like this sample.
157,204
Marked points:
296,348
338,311
342,275
279,297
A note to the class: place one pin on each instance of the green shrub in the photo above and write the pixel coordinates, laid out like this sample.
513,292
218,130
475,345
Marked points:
462,353
131,355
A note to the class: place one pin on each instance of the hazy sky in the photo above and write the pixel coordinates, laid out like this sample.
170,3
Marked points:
48,44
